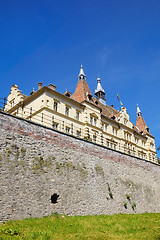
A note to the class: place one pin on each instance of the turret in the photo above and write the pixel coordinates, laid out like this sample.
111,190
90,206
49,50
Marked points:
100,93
82,91
81,76
140,123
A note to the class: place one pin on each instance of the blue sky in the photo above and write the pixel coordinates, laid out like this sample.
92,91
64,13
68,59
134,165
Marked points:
48,40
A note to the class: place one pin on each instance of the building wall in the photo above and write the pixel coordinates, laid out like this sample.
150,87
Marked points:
119,134
38,162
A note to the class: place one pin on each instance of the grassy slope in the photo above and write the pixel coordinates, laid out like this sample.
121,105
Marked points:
121,226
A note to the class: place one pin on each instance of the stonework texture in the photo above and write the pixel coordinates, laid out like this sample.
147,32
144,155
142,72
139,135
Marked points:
37,162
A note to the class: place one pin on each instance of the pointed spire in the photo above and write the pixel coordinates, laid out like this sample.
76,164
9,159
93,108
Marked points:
81,74
139,113
99,87
99,92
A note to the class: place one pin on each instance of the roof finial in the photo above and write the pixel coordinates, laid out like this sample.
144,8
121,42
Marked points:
98,80
139,113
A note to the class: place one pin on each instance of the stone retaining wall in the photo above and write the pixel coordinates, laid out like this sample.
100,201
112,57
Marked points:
43,171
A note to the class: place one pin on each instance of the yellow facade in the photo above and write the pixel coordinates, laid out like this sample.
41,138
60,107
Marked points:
82,119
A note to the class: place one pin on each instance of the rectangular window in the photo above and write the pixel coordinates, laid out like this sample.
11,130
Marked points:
95,121
91,120
77,115
113,131
78,133
67,111
94,138
136,140
55,126
102,126
105,127
67,129
55,106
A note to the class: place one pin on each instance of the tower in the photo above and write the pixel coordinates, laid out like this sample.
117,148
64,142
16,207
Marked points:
140,123
100,93
81,75
82,91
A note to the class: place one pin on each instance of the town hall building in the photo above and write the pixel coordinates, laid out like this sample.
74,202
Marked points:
85,116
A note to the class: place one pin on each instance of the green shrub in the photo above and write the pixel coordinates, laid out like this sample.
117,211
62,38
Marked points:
128,196
133,206
125,205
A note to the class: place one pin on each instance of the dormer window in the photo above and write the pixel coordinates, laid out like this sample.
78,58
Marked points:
89,97
67,93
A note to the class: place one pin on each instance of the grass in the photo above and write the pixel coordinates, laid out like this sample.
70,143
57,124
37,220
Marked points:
119,227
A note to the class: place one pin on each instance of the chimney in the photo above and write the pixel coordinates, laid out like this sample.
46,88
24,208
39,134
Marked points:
53,87
39,85
112,105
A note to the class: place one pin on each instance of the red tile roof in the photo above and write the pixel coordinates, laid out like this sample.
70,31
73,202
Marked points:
81,92
140,123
